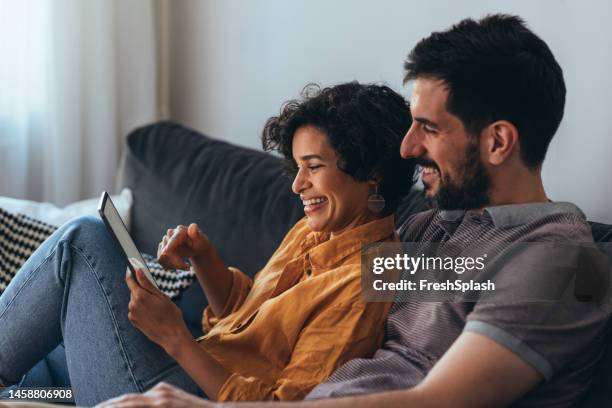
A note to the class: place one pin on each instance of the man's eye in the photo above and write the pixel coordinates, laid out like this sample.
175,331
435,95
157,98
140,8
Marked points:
427,129
314,167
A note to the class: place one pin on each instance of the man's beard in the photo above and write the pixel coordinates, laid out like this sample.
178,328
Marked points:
471,190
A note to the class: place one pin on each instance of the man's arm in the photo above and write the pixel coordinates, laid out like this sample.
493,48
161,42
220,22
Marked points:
475,372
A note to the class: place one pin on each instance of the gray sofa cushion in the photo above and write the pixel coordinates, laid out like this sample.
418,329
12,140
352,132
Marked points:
236,195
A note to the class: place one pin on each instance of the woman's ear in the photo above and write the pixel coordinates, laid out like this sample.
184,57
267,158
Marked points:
500,140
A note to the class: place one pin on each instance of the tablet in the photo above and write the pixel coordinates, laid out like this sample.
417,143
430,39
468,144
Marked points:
114,223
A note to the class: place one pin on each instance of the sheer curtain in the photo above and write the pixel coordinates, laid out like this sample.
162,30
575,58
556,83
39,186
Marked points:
75,77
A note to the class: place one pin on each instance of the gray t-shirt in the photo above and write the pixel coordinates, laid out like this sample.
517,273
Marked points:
562,341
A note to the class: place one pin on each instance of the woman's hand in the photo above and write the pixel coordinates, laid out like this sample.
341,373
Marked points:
162,395
181,242
190,242
154,314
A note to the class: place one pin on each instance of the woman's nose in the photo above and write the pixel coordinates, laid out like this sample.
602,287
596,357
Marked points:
300,183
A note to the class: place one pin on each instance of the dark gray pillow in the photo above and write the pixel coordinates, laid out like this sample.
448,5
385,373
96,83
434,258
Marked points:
238,196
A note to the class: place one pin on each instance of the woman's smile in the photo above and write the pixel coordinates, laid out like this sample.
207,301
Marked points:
312,205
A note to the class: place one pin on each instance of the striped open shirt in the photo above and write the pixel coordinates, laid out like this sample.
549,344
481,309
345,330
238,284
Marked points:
561,341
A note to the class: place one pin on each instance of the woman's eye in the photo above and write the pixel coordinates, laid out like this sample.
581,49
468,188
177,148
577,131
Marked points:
314,167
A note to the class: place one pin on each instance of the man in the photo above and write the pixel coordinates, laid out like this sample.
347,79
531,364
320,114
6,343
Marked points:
488,97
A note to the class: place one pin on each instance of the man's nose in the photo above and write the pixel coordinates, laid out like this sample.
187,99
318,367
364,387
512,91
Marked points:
412,144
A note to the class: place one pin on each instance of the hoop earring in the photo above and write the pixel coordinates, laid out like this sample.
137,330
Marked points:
376,202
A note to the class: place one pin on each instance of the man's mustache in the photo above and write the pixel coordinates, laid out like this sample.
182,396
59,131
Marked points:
426,162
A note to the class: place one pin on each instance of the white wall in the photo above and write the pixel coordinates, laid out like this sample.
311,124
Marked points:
233,63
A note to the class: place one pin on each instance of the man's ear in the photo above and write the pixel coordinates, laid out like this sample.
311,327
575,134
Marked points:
500,141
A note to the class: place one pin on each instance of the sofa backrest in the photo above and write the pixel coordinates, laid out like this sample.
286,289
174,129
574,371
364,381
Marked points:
238,196
600,391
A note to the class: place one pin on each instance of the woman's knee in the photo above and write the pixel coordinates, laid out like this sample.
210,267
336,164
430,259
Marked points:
89,236
93,253
87,224
84,230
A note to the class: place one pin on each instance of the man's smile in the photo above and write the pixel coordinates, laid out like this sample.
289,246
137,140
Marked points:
429,175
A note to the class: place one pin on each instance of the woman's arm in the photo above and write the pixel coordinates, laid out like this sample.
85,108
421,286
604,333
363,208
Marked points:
201,367
329,338
154,314
213,275
333,336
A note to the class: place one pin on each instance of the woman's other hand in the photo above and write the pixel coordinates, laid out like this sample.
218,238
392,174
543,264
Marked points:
154,314
162,395
190,242
180,243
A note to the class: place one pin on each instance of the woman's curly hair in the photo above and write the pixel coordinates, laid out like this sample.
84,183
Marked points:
365,125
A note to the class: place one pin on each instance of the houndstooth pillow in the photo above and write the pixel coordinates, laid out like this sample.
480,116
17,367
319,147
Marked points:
20,235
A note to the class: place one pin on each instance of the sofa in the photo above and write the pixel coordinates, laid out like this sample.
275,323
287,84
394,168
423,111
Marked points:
243,202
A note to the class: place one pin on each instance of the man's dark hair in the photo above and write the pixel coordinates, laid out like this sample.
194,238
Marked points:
364,124
496,68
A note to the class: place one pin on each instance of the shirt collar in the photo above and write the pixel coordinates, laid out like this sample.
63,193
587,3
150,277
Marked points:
324,252
506,216
452,215
512,215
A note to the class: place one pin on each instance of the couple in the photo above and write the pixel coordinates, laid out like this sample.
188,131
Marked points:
488,97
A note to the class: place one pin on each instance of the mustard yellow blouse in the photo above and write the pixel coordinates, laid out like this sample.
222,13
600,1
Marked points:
302,316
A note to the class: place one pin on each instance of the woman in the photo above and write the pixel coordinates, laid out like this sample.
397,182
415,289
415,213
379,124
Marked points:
272,338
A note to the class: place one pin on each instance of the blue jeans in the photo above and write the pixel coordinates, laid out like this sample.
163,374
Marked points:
73,290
